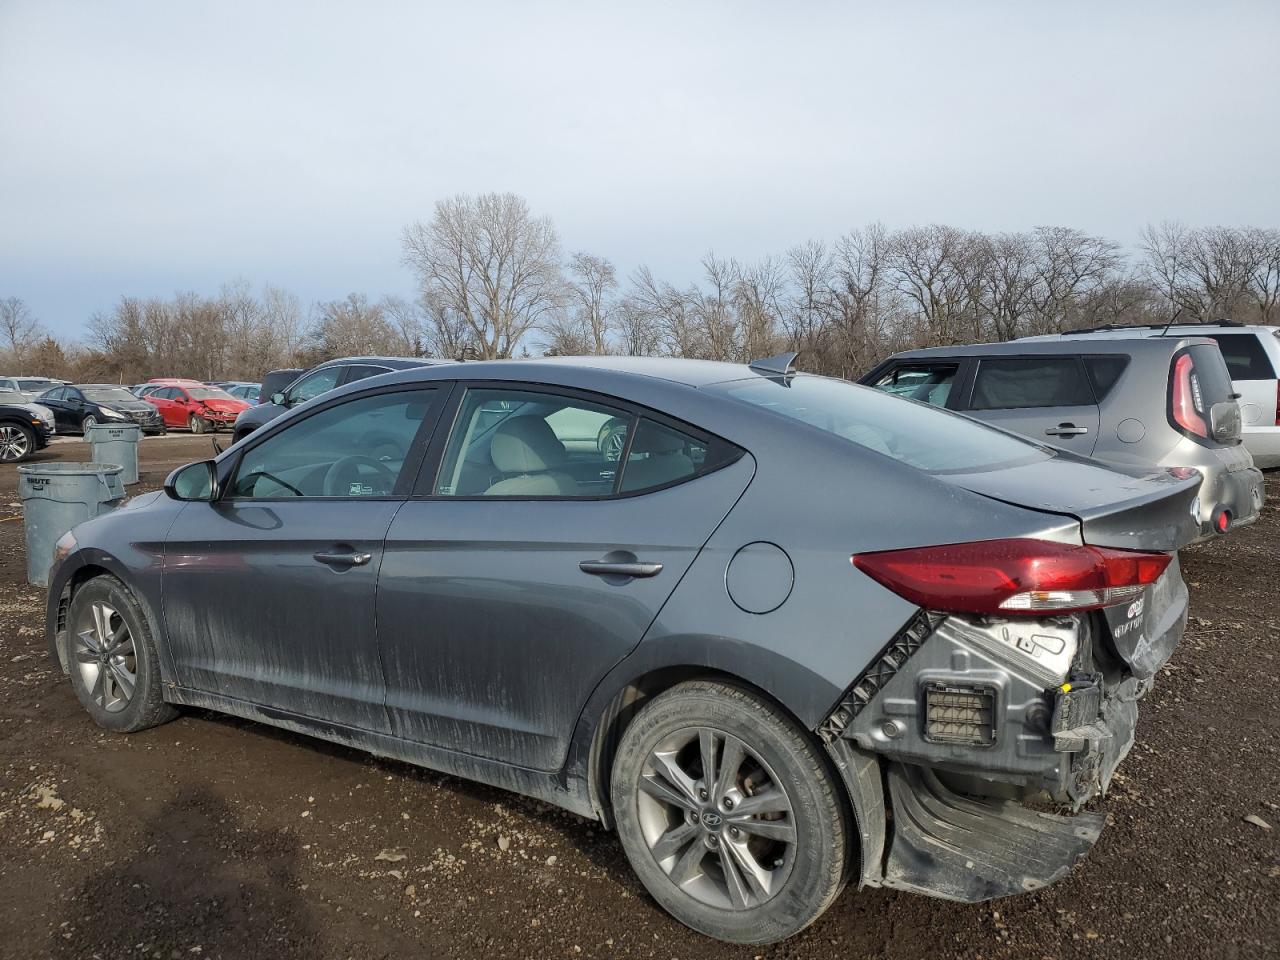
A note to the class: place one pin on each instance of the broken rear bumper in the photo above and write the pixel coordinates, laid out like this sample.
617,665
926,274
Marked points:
964,848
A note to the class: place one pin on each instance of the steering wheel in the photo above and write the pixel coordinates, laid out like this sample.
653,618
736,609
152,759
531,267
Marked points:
339,478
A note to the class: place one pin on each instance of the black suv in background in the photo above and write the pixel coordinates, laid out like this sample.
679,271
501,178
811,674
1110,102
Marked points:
320,379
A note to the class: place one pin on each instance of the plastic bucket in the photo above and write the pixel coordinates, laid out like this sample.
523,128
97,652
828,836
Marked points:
56,497
116,443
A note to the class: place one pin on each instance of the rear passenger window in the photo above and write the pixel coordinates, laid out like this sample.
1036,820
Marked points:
362,370
926,382
1030,382
1246,358
1104,372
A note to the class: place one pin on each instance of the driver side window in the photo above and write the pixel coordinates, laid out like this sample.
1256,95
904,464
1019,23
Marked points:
355,449
322,381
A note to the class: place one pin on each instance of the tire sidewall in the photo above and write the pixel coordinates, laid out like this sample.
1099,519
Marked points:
87,422
822,830
195,424
146,695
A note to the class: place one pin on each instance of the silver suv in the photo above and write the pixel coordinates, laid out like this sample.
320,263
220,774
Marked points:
1163,401
1253,357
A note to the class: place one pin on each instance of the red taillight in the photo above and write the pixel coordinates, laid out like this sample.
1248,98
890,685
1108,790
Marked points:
1013,577
1187,402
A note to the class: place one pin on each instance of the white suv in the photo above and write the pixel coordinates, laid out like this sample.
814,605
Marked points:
1253,358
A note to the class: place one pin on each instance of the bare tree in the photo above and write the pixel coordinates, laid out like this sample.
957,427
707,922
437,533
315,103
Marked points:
353,326
488,261
593,283
19,328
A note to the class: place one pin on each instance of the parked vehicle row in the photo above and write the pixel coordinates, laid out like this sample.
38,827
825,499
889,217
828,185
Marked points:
788,632
78,406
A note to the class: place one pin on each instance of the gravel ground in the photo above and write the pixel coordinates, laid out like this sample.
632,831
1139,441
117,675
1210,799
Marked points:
211,837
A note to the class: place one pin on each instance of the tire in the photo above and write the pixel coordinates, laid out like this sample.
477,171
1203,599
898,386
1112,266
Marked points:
797,833
112,705
87,422
17,442
197,424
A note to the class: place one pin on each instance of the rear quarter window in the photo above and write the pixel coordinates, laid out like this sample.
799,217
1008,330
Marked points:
1104,372
1245,356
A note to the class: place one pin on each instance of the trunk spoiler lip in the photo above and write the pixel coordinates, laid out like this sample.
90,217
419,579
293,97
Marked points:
1105,526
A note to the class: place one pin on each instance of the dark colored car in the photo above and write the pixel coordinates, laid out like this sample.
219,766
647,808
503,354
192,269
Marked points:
78,406
195,408
22,430
789,633
319,379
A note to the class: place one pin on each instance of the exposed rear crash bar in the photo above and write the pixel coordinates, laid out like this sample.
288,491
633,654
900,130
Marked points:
960,848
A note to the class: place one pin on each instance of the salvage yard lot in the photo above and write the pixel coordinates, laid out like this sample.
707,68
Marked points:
213,837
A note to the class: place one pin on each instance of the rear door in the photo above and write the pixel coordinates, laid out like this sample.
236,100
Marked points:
56,401
1046,398
529,565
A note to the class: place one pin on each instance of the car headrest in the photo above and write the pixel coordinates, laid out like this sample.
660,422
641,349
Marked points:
654,440
525,445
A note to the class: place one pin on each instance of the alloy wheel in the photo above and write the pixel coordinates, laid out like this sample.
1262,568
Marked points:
716,819
14,443
105,657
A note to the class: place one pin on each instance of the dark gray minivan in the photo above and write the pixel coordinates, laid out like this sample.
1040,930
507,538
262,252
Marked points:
1165,402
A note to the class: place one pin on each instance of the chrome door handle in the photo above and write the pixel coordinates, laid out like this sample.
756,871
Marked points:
603,568
342,559
1066,430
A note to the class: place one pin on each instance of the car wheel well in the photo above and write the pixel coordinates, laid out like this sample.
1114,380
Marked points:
622,709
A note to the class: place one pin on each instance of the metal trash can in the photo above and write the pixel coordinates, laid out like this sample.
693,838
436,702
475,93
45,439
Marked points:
56,497
116,443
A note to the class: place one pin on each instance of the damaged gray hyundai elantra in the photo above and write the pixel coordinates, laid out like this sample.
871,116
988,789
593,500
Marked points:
783,632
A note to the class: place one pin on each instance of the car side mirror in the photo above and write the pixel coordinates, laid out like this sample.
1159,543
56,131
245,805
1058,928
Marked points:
1224,421
278,399
195,481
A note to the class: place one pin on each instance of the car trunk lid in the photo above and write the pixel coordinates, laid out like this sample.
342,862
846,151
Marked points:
1154,509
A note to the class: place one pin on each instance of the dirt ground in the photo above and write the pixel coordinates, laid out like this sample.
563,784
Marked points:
215,838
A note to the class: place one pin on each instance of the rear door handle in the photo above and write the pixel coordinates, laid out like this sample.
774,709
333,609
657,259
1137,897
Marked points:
342,559
1066,430
603,568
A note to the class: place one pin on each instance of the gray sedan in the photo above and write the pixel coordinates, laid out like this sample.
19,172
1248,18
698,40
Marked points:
781,632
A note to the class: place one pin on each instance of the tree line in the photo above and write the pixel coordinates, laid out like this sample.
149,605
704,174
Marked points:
493,281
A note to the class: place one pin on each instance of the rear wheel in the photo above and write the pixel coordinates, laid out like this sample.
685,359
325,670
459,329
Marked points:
197,424
114,668
17,442
729,814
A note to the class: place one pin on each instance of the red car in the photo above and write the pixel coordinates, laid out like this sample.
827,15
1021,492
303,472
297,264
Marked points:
195,406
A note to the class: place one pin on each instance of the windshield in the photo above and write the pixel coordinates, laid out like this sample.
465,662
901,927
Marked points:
208,393
108,394
913,433
40,385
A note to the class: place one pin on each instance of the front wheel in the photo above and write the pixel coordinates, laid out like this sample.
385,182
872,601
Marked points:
197,424
729,814
115,671
17,442
87,422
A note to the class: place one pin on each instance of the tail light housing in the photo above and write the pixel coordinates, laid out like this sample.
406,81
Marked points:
1186,402
1015,577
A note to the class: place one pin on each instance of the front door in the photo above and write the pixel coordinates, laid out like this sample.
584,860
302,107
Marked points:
165,400
532,565
1046,398
269,591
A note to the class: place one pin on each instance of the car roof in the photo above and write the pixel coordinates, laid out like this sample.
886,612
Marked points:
1149,330
395,363
1058,344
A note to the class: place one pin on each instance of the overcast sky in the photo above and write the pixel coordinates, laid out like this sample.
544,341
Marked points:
147,148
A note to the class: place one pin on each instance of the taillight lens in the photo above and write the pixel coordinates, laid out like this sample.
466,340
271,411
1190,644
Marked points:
1017,577
1187,401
